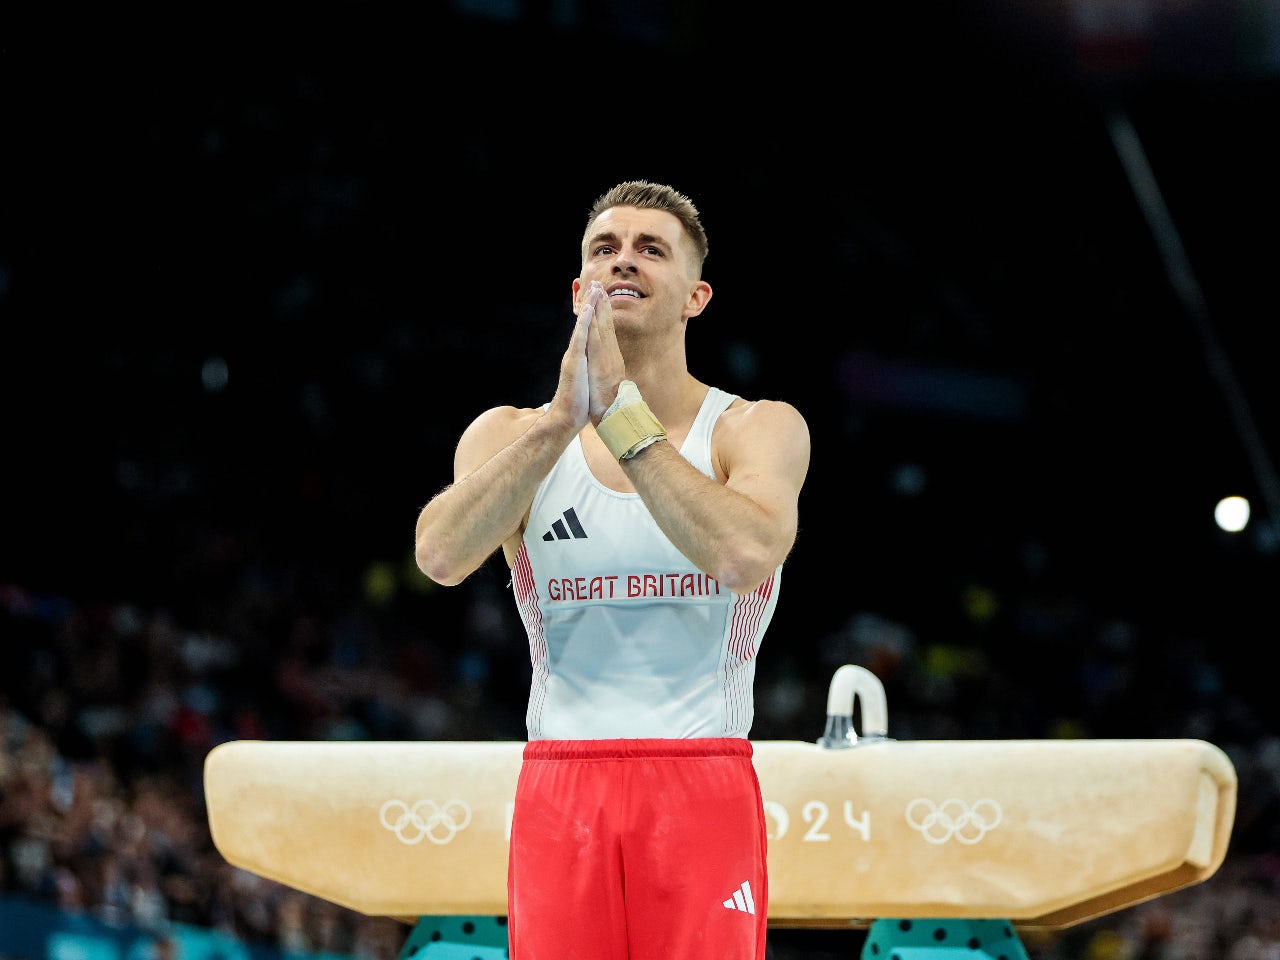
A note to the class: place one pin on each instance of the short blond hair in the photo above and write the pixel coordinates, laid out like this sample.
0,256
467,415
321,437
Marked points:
656,196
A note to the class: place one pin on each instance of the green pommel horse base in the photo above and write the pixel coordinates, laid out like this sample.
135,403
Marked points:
932,846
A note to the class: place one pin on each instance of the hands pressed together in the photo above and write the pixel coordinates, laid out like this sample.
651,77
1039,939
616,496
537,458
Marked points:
592,366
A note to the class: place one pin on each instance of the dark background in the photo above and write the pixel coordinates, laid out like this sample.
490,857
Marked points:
257,275
922,235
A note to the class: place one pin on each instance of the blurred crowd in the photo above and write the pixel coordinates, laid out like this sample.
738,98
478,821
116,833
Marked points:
108,710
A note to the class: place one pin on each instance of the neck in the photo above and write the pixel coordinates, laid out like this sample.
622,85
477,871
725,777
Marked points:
674,396
661,372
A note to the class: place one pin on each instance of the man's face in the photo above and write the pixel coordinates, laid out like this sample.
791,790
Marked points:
644,262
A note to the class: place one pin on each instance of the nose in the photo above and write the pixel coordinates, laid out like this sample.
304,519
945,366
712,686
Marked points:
623,264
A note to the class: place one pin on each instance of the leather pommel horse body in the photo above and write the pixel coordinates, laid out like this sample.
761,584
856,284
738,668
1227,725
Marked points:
1040,833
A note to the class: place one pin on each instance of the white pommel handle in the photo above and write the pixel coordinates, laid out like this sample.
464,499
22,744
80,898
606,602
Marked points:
852,685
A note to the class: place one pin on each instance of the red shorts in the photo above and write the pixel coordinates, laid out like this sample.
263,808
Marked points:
638,850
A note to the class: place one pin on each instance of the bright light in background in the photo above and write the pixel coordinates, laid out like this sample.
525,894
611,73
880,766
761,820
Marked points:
1232,514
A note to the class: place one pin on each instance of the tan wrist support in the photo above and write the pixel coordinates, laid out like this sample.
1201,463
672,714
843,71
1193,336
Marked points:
628,426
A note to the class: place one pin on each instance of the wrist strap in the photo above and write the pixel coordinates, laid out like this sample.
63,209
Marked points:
628,426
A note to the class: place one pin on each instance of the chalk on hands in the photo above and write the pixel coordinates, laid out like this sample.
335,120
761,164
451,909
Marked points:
594,293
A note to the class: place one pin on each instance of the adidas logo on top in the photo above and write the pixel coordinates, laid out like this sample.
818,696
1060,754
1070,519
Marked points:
567,528
742,899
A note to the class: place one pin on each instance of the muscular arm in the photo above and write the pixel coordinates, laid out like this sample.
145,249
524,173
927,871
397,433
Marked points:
740,531
497,466
499,461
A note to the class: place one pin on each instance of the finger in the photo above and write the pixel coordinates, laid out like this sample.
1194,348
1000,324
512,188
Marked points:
603,306
591,299
586,313
583,328
591,302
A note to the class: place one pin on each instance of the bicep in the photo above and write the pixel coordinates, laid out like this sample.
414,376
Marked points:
766,458
488,433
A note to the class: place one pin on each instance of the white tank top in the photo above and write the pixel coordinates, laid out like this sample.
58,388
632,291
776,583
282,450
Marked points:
627,638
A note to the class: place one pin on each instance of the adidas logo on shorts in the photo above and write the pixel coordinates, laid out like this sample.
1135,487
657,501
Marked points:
742,899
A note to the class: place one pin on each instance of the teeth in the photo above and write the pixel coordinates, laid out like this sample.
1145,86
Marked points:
625,293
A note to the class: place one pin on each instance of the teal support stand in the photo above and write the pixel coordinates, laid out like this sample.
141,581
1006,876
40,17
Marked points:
457,938
485,938
929,939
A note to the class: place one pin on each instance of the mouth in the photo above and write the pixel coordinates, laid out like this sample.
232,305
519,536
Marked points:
625,292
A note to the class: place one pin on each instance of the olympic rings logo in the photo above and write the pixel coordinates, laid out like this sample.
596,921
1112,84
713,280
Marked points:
938,823
425,819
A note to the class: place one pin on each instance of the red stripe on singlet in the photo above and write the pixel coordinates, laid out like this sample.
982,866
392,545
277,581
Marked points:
530,607
748,611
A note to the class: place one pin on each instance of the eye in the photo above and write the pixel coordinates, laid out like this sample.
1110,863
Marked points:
653,251
604,248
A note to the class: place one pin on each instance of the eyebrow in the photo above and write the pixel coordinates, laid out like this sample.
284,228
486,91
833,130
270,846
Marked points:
642,239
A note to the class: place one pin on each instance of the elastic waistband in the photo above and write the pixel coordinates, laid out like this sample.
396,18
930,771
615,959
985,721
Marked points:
640,747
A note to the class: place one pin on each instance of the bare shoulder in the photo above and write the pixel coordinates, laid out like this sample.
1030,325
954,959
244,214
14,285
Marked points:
503,419
776,417
488,433
757,432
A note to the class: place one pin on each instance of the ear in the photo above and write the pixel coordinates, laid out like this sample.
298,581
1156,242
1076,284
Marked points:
576,290
699,297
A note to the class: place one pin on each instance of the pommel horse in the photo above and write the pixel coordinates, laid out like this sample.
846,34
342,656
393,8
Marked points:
934,847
